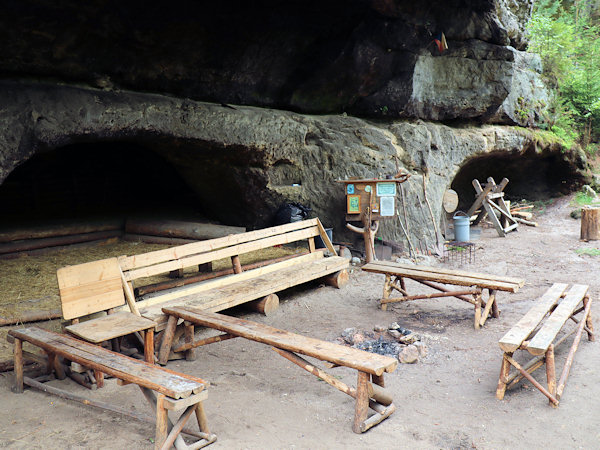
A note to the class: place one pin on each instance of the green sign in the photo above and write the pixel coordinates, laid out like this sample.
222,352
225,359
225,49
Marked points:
386,189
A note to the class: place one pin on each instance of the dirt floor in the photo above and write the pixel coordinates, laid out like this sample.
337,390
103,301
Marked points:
259,400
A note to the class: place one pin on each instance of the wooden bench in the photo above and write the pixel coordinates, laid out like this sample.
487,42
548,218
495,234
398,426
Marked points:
369,392
475,283
89,288
165,390
537,333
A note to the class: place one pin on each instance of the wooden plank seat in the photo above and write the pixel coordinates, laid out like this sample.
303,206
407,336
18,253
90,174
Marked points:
537,332
437,278
164,389
94,287
369,392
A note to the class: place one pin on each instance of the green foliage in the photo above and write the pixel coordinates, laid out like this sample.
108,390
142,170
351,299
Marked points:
582,199
568,41
588,251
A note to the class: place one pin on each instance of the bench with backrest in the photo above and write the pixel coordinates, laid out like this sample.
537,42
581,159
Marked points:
537,332
369,392
165,390
438,278
101,284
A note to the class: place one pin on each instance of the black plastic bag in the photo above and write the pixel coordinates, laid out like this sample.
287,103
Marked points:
291,212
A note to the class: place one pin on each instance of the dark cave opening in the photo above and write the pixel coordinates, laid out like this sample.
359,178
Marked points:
95,180
532,176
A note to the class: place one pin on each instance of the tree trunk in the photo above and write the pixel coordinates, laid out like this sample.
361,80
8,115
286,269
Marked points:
590,223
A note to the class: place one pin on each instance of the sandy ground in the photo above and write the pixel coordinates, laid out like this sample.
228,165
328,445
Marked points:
447,400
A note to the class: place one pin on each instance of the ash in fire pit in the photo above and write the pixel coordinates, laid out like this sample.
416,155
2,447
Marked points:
389,341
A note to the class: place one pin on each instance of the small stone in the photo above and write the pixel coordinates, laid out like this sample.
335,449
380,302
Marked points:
348,335
422,348
358,338
395,334
409,355
355,261
410,338
379,328
394,326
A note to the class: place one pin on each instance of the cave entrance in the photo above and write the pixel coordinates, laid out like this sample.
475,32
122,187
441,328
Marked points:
532,176
83,182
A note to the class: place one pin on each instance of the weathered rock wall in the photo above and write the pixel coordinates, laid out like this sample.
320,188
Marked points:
373,58
243,161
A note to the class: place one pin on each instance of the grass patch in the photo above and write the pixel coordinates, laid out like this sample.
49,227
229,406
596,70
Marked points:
588,251
583,199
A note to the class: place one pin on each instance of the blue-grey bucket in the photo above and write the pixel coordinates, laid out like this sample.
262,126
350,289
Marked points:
461,227
319,242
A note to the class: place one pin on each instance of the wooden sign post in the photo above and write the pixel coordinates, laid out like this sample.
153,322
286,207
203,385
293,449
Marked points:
368,201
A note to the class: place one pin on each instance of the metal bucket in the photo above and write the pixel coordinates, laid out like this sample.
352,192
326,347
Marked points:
461,227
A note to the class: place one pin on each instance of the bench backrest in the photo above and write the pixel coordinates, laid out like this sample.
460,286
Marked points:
196,253
89,288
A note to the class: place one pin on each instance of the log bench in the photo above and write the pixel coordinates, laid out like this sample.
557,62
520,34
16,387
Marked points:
537,332
164,389
370,391
437,278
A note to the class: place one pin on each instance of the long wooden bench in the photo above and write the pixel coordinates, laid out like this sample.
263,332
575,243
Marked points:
474,283
369,392
164,389
537,332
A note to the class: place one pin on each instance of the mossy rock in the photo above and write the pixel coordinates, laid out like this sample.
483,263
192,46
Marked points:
576,213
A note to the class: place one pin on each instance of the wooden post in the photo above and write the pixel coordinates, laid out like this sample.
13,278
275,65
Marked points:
149,346
162,423
551,372
503,379
18,370
477,310
99,378
361,407
237,266
190,355
387,290
588,321
201,418
590,223
167,340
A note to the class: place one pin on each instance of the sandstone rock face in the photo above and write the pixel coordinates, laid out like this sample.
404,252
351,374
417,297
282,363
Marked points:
372,58
243,162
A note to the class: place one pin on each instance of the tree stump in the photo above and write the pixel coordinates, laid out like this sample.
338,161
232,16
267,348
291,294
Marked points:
590,223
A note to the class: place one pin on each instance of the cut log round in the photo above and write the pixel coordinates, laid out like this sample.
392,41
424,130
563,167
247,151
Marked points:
590,223
338,279
266,305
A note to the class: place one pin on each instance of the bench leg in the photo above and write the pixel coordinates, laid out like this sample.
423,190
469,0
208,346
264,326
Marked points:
588,321
162,423
190,355
551,373
477,310
361,407
167,340
149,346
18,370
387,290
504,371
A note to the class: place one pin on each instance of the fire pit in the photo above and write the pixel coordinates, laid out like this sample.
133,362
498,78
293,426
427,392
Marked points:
392,341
